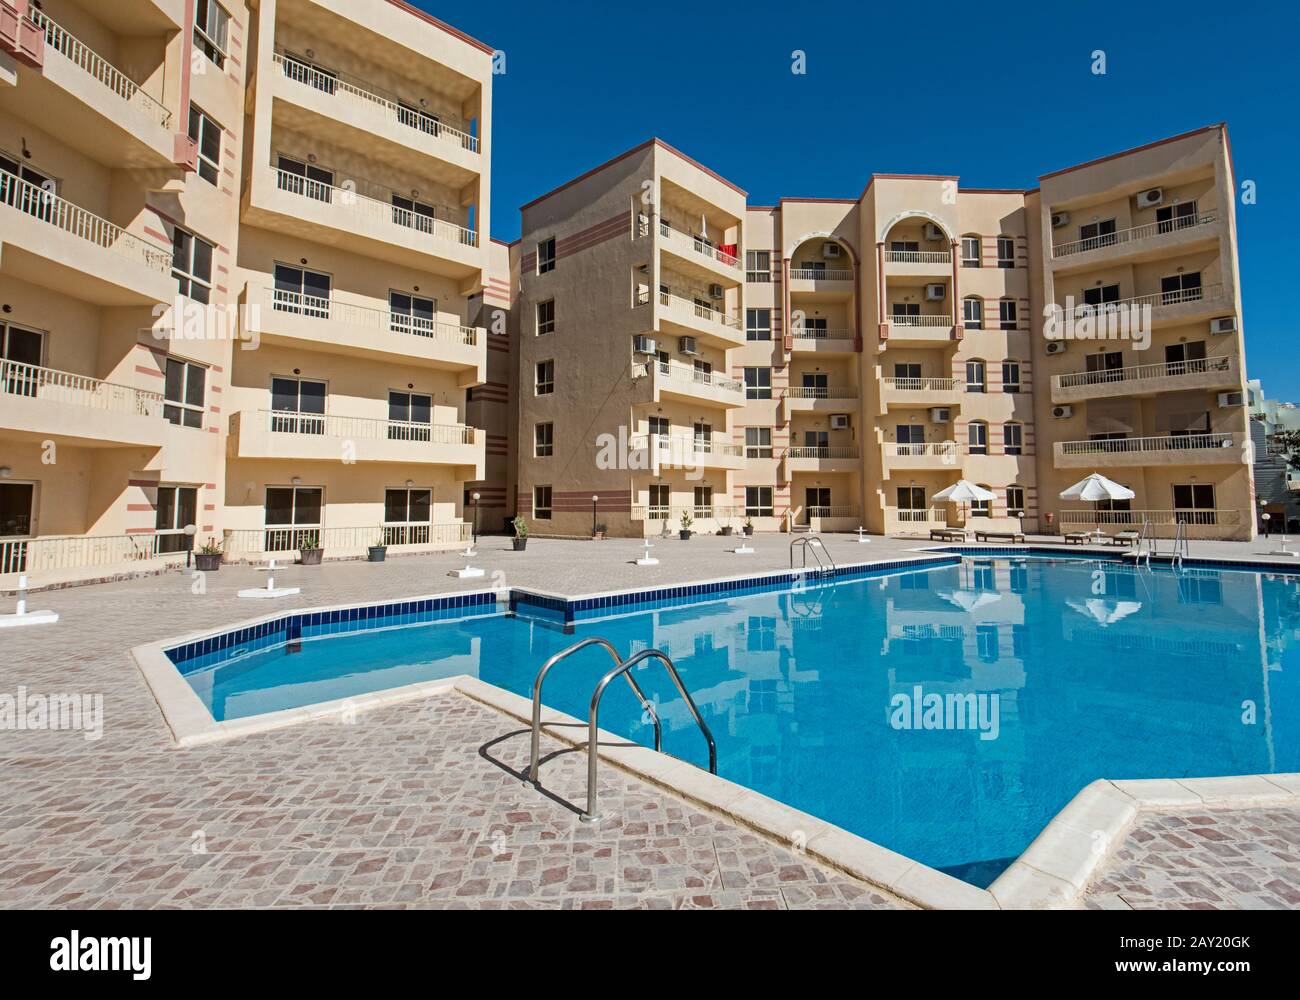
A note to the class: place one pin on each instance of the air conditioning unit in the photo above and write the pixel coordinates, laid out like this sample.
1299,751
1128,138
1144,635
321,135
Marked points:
1060,219
940,414
1062,412
1150,198
935,292
830,249
715,291
1232,399
933,232
839,421
1223,324
687,345
1055,347
645,345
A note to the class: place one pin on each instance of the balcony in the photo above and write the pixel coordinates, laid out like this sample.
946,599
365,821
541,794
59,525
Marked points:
1151,240
53,243
823,341
45,404
95,107
673,380
1177,306
820,399
699,251
925,329
715,327
912,521
930,263
318,437
827,284
934,456
354,112
356,219
920,391
683,452
67,558
1159,523
1167,449
257,544
1146,380
298,320
825,459
708,518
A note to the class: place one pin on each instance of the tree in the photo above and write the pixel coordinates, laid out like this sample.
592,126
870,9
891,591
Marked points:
1288,445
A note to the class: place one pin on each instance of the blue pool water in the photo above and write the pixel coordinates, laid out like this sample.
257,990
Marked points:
1089,670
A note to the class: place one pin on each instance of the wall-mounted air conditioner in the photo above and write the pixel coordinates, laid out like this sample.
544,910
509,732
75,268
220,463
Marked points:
830,249
1232,399
715,291
935,292
1055,347
687,345
940,414
933,232
839,421
1062,412
1223,324
1060,219
645,345
1150,198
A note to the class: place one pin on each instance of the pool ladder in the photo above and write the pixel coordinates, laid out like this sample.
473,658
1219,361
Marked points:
1147,545
805,543
622,668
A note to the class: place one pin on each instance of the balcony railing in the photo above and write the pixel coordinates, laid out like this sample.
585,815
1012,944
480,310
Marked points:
919,449
699,310
821,392
821,451
364,428
821,274
95,65
688,374
290,538
18,379
821,333
1095,518
899,319
922,384
918,256
342,85
831,512
682,446
379,320
1135,233
918,515
1160,443
698,245
656,512
48,554
363,206
1142,373
48,207
1207,293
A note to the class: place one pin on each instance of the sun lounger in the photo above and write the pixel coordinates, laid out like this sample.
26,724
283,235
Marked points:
1077,538
1129,538
1001,536
947,535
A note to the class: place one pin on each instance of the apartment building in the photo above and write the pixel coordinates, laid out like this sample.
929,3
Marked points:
826,364
243,250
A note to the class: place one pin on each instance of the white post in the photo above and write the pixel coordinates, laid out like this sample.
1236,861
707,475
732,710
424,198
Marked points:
22,595
270,576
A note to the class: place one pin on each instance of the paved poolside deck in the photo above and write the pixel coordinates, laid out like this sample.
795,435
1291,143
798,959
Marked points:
414,804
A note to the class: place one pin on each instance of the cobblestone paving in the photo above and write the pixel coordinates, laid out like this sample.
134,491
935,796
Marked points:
1206,860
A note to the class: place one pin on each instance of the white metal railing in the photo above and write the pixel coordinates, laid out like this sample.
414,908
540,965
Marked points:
821,451
1141,373
1155,517
820,274
821,392
365,428
918,449
679,372
899,319
96,66
48,207
831,512
18,379
698,245
1122,236
922,384
363,206
918,256
291,538
46,554
339,84
699,310
658,512
380,320
1163,442
920,515
821,333
1206,293
683,445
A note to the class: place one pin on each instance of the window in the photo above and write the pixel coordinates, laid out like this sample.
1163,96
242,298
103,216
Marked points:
970,251
986,642
1007,313
1015,501
543,440
1006,251
1012,439
1097,234
1194,503
408,513
1171,217
410,416
290,512
660,502
758,265
545,317
1180,288
659,427
545,378
297,406
758,383
411,314
298,290
211,27
972,312
758,324
1185,358
758,442
306,179
1011,376
1104,367
20,346
904,246
1100,295
983,508
975,375
703,501
546,256
183,393
413,214
542,503
192,265
178,506
977,437
910,498
207,134
758,501
16,505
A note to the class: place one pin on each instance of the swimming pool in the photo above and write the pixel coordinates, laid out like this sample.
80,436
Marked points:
1049,673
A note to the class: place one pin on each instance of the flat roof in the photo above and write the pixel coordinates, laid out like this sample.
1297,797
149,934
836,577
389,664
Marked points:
430,19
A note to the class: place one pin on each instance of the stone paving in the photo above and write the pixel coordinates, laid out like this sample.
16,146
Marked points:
415,804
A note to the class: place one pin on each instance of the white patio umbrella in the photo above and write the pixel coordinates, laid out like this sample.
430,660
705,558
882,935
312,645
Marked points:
964,492
969,600
1105,611
1095,489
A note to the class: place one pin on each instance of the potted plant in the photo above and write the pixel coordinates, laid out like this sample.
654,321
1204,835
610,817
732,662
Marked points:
379,551
599,533
309,549
749,525
687,521
208,558
521,533
726,529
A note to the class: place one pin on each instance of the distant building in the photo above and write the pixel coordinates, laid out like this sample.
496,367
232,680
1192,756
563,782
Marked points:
1277,485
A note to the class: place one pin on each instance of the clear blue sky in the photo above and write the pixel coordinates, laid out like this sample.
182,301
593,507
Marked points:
996,94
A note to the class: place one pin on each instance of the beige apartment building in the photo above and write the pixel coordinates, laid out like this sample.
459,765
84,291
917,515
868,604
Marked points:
243,260
826,364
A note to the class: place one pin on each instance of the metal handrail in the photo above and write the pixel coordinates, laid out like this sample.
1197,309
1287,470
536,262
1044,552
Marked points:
1181,548
804,542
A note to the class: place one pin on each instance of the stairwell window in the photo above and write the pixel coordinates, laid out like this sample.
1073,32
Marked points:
1015,501
758,442
975,376
977,437
542,503
211,31
192,265
178,506
184,392
543,440
207,134
545,384
1006,252
1012,438
546,255
758,501
758,266
545,317
1011,376
972,312
1007,314
970,251
758,324
758,383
